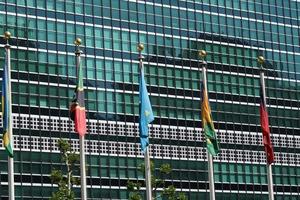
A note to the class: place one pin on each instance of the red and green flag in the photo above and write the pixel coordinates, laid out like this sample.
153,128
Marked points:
6,109
77,110
208,126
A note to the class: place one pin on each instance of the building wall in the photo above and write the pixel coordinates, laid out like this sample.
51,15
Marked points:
233,33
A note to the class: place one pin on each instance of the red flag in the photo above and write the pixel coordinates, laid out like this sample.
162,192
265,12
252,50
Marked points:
264,121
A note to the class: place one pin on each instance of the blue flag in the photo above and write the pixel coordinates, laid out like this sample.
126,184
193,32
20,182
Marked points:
146,114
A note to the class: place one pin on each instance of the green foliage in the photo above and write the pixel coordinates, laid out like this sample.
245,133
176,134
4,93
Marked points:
65,181
135,196
181,196
165,169
131,186
63,193
134,190
168,192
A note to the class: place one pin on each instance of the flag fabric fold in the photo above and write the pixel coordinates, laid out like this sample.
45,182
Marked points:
264,122
207,124
77,110
6,109
146,114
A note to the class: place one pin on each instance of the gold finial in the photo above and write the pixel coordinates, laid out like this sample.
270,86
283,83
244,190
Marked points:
7,35
140,47
202,54
77,42
261,60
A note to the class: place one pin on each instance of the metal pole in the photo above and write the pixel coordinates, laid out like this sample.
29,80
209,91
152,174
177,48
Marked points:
269,166
148,174
211,176
11,182
81,138
82,168
209,156
270,182
147,155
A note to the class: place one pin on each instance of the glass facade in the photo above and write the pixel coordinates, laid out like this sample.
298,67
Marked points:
233,33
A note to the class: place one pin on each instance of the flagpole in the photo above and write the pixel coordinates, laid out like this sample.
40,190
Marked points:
261,61
203,54
81,138
148,174
140,48
11,182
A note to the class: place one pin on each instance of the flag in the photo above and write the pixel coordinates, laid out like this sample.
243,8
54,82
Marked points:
146,114
77,110
6,109
208,126
264,122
